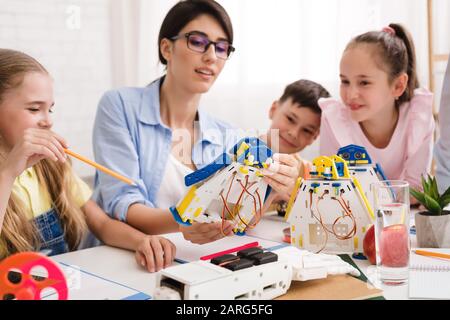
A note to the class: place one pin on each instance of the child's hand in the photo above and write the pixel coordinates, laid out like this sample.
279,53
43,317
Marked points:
155,253
282,174
35,145
201,233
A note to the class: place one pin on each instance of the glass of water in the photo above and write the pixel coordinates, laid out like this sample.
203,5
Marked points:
392,242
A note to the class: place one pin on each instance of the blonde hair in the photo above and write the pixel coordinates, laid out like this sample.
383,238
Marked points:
18,233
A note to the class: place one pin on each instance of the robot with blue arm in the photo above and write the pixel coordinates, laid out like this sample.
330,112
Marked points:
230,188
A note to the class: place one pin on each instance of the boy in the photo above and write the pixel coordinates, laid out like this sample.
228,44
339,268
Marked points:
295,122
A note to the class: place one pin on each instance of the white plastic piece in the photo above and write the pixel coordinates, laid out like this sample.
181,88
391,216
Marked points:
310,274
366,176
201,280
165,293
308,266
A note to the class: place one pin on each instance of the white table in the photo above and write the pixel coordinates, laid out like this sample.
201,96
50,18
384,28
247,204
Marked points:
112,265
119,265
109,269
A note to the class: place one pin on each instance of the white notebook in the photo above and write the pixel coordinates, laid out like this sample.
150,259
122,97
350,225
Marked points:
429,278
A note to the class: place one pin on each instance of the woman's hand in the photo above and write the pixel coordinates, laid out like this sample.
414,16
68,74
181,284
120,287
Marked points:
282,174
201,233
155,253
35,145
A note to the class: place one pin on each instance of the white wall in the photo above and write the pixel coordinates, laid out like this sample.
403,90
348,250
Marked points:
75,48
277,42
441,42
280,42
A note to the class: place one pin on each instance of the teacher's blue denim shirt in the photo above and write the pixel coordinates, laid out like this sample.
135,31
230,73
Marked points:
130,138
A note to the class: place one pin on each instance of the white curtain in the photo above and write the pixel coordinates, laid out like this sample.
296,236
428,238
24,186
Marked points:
277,43
135,27
441,43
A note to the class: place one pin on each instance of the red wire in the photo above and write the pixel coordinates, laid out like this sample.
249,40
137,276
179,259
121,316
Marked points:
236,209
240,197
254,204
225,205
348,213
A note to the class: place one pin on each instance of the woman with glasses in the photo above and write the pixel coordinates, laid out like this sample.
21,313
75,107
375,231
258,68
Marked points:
157,135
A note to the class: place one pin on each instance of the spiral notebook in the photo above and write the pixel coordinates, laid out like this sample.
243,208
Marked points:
429,278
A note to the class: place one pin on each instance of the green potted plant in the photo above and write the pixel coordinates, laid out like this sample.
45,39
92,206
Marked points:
433,225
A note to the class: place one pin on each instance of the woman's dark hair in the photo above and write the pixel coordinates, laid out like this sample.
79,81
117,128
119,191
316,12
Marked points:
396,54
306,94
186,11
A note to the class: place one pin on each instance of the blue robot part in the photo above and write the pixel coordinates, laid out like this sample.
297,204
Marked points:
354,154
257,148
177,218
206,172
380,171
340,168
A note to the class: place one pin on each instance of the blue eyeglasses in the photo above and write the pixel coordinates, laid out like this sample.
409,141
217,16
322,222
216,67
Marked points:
200,43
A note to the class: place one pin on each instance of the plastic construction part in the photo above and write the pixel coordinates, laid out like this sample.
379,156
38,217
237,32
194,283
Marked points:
249,252
354,154
253,146
340,169
263,258
239,265
177,217
359,256
224,259
229,251
336,185
380,171
22,285
202,174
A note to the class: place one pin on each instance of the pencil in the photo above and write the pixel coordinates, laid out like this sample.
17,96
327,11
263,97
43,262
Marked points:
99,167
432,254
221,253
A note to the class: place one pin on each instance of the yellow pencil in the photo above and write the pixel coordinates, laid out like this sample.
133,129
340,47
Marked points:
99,167
432,254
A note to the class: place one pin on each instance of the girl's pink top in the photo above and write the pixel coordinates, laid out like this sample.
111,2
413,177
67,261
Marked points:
410,150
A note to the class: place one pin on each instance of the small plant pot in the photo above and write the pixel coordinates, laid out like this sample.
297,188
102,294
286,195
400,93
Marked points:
433,231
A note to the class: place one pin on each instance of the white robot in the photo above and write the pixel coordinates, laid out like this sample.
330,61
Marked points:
329,211
230,188
267,276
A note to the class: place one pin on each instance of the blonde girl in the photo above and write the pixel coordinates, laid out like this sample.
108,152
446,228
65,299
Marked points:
43,204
